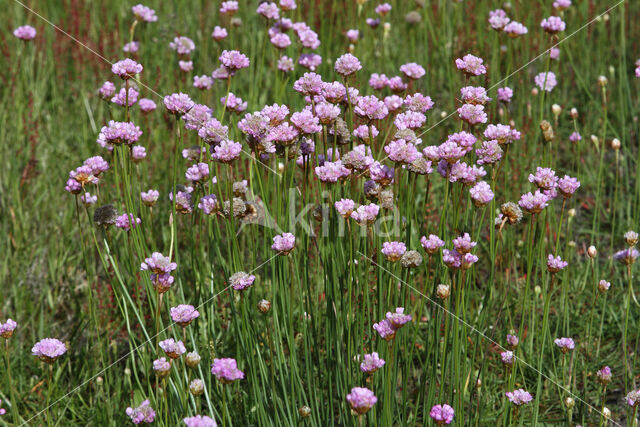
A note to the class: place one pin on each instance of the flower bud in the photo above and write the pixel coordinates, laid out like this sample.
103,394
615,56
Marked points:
602,81
631,237
569,402
592,251
304,411
534,91
603,286
99,381
556,109
573,113
571,212
196,387
443,292
616,144
264,306
606,413
193,359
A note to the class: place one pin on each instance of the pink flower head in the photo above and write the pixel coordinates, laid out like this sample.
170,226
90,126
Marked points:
366,214
126,69
309,84
604,375
396,84
199,421
534,203
410,120
184,314
431,244
401,151
565,344
353,35
131,47
213,132
158,264
198,172
382,174
186,66
505,94
234,103
280,40
555,264
463,244
546,81
233,60
385,329
398,319
107,90
502,133
489,153
146,105
310,61
288,4
372,362
143,13
226,370
284,243
228,8
472,114
138,153
7,328
471,65
219,33
306,122
209,204
370,107
393,251
498,19
544,178
345,207
418,102
150,197
178,104
412,70
361,399
519,397
481,194
49,349
142,414
474,95
241,280
227,151
567,186
383,9
442,414
172,348
515,29
378,81
25,32
182,45
285,64
553,25
121,98
127,221
347,64
561,5
269,10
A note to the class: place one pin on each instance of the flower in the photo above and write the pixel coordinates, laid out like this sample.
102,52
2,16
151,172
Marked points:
209,204
219,33
385,329
241,280
626,256
126,69
228,8
25,32
142,414
226,370
553,24
383,9
507,357
184,314
515,29
431,244
143,13
280,40
561,5
306,122
393,250
631,238
361,399
7,328
178,103
269,10
398,318
568,186
463,244
196,387
472,114
162,367
575,137
49,349
481,194
198,172
418,102
150,197
353,35
345,207
309,84
227,151
412,70
186,66
489,153
192,359
512,340
519,397
544,178
182,45
396,84
565,344
603,285
158,264
502,133
442,414
474,95
284,243
233,60
107,90
138,153
546,81
127,221
534,203
366,214
199,421
173,348
372,362
604,375
131,47
410,120
347,64
505,94
287,4
87,199
471,65
146,105
401,151
371,107
285,64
